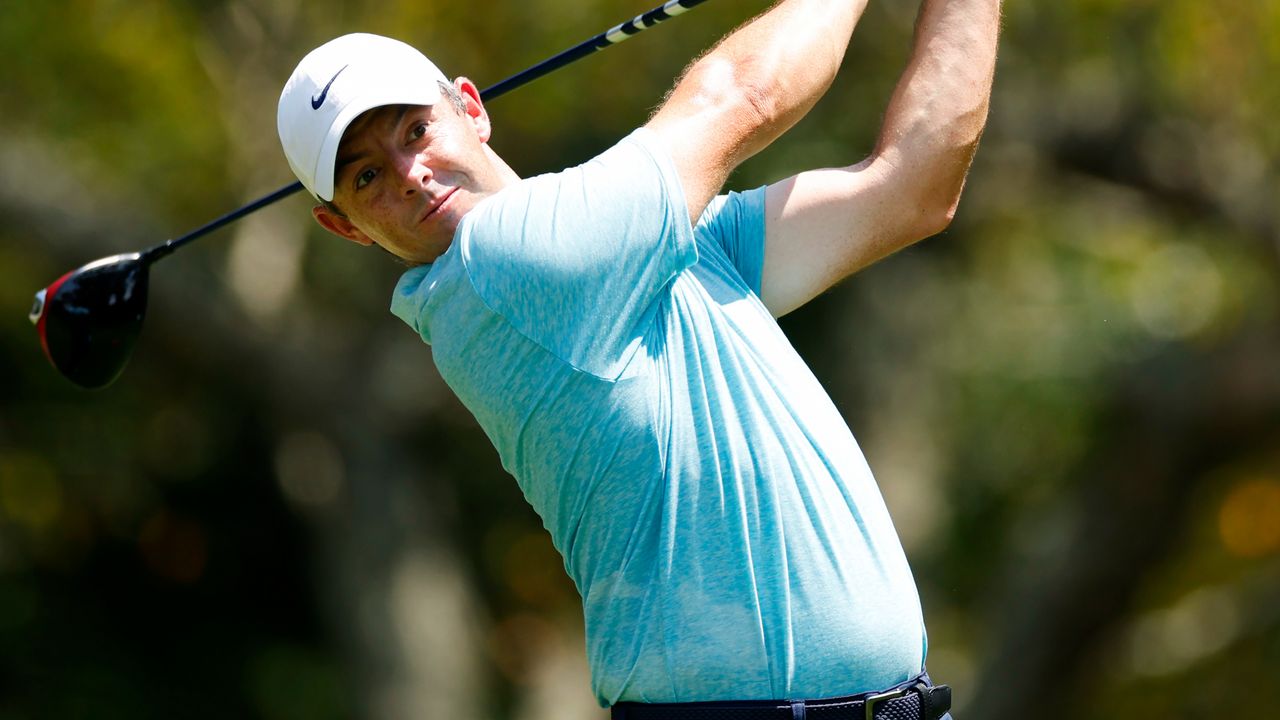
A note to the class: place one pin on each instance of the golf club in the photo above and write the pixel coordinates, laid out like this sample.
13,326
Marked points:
89,319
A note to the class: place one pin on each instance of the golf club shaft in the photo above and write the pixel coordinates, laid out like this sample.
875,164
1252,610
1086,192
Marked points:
612,36
156,252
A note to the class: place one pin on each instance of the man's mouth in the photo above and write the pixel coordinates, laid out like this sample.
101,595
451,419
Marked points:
439,204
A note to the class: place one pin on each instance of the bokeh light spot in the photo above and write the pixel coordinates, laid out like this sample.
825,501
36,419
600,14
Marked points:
1177,291
1249,519
1165,642
310,470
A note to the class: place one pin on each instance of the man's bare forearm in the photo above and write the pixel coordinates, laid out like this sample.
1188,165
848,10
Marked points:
938,110
785,58
751,87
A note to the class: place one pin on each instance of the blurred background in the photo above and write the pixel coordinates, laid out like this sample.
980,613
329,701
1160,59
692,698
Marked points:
1070,398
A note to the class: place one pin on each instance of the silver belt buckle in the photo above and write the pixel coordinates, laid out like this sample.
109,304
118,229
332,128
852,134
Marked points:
874,700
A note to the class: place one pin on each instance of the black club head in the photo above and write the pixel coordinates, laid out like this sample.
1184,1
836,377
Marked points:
89,319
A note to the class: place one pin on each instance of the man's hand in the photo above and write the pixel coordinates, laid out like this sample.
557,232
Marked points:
754,85
824,225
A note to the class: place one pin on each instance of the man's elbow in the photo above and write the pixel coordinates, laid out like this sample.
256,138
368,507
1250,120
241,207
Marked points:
762,103
944,186
934,210
744,91
946,209
731,95
938,157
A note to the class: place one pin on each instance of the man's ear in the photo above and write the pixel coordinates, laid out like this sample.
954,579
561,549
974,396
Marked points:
474,109
339,225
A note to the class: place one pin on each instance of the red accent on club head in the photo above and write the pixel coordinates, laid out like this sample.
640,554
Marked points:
49,293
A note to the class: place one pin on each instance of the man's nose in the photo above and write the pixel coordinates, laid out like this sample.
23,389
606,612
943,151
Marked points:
414,174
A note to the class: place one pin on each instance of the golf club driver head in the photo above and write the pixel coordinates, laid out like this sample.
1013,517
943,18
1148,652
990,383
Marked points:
89,318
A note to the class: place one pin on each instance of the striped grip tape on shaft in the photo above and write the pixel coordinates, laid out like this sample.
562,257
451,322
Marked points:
646,21
591,45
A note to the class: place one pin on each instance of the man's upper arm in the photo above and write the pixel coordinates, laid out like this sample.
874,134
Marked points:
823,225
703,125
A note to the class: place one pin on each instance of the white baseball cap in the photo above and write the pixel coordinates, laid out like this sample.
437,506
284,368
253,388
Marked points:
334,84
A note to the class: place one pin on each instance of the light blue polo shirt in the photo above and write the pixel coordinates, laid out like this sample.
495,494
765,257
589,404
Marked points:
710,503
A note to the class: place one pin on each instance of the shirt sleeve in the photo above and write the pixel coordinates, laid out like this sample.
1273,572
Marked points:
576,261
735,224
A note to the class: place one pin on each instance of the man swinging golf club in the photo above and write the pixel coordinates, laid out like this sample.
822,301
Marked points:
611,327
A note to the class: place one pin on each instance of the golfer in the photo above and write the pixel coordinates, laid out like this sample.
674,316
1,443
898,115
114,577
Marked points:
612,328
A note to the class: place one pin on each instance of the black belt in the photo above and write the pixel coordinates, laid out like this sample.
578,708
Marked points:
915,699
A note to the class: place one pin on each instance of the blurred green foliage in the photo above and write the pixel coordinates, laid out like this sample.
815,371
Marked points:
1070,397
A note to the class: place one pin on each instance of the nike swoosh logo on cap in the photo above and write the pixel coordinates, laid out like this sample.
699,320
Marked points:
318,100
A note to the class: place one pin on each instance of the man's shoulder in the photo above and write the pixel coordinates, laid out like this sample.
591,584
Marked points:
635,168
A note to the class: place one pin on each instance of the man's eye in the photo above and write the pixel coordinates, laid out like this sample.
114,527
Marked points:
419,130
364,178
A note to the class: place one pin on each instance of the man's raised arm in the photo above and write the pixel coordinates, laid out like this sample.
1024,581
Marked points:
824,225
750,88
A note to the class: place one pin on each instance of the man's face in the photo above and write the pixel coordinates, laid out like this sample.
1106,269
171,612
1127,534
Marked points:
406,175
